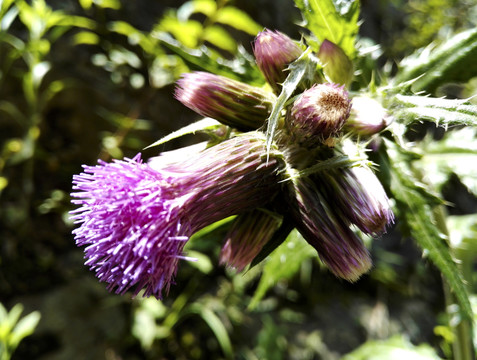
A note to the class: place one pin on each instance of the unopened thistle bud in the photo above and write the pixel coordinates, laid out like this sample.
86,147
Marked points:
360,197
318,114
231,102
368,117
248,234
134,220
274,51
336,64
337,245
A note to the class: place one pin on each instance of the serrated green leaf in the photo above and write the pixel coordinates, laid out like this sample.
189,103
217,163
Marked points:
454,60
282,264
443,112
238,19
451,155
201,125
416,213
334,20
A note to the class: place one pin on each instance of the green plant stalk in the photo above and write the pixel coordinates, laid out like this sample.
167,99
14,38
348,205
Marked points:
462,346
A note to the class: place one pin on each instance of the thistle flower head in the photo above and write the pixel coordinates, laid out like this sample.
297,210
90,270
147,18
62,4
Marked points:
360,197
319,113
249,232
368,117
338,247
274,51
134,220
337,66
231,102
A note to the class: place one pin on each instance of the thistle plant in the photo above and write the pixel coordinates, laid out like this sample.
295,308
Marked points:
283,164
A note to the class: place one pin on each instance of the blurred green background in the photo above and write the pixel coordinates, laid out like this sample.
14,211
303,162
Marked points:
82,80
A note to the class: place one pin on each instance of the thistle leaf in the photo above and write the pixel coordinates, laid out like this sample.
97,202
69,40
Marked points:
452,61
445,112
334,20
201,125
417,215
282,264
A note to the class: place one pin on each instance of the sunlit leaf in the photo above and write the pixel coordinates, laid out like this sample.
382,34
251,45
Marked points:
217,36
25,327
206,7
238,19
417,216
333,20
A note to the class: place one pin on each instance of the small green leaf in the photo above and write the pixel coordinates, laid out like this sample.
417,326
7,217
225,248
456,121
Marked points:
25,327
206,7
216,35
334,20
238,19
417,215
201,125
282,264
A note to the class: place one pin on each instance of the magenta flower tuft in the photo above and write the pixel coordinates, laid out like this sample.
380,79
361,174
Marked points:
274,51
318,114
135,219
231,102
249,232
337,245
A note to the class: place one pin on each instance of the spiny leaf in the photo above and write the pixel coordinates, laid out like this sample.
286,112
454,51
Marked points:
454,60
416,213
283,263
334,20
441,111
201,125
301,68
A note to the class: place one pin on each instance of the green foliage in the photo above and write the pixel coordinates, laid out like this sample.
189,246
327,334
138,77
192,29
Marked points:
14,329
336,21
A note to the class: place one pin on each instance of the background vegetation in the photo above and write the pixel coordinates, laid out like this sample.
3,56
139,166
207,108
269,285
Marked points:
88,79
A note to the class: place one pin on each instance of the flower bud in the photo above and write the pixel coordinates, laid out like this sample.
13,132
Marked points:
360,197
337,66
249,232
367,117
231,102
337,245
318,114
274,51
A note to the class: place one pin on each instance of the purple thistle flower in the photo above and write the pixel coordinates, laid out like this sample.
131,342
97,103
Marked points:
368,117
336,64
337,245
249,232
318,114
274,51
231,102
135,219
360,197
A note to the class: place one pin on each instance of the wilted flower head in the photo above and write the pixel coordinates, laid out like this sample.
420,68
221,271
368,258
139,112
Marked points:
248,234
274,51
368,117
231,102
360,197
319,113
337,245
135,219
337,66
